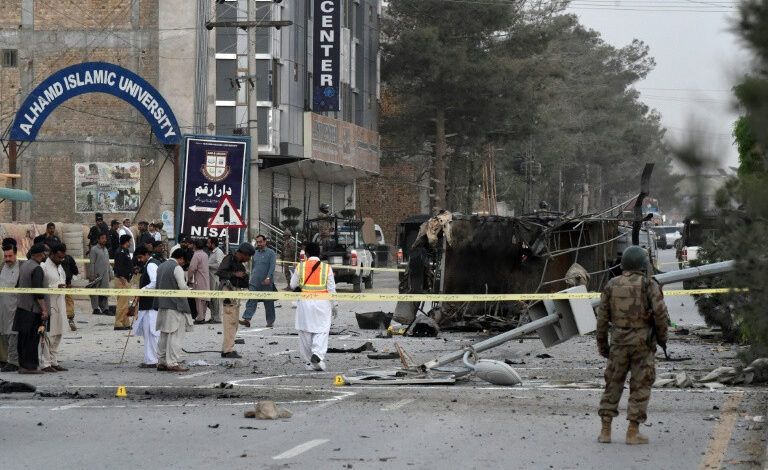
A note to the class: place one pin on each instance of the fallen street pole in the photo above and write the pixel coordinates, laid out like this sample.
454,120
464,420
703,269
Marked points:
664,278
690,273
493,341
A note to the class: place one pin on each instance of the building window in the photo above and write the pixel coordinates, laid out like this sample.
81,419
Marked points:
10,58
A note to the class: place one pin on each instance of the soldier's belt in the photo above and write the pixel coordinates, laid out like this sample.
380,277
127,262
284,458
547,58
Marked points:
271,295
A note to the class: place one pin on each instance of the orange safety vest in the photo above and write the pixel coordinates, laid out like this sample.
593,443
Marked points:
317,282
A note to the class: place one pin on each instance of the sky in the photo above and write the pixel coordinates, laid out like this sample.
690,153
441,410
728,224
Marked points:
698,60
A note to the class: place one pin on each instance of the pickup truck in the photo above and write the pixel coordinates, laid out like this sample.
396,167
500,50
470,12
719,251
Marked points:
345,247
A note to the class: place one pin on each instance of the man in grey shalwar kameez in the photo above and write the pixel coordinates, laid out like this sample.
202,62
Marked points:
9,277
99,266
173,313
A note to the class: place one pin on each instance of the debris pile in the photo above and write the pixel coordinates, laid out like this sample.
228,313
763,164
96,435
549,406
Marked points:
756,372
267,410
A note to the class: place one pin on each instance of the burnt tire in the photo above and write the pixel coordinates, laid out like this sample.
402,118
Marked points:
356,284
369,281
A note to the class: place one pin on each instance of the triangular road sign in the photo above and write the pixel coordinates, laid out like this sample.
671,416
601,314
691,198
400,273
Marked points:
226,215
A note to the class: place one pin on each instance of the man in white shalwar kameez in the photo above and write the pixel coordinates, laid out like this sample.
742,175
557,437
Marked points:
313,317
54,277
146,320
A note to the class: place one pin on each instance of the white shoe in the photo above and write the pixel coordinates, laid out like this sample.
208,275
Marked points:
308,367
319,366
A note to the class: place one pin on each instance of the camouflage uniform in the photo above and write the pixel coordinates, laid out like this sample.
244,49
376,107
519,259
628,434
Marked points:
289,254
624,305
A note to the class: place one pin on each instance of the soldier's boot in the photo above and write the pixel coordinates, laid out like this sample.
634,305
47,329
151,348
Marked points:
605,432
633,434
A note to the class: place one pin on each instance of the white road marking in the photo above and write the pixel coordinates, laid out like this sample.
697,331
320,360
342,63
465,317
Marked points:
196,374
398,404
345,337
300,449
67,407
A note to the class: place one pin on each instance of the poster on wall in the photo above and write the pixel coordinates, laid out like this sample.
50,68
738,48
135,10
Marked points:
107,187
211,167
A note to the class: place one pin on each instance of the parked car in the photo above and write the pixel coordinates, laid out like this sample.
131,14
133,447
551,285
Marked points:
346,248
695,232
647,240
666,235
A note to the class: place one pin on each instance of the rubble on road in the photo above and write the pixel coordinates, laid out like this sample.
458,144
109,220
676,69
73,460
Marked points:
267,410
368,346
16,387
756,372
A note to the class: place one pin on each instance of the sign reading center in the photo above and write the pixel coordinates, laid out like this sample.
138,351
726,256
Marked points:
326,52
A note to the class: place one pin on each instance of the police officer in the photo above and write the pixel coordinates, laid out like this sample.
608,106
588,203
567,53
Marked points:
630,304
233,277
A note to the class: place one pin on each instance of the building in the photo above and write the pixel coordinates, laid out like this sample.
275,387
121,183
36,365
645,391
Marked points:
305,157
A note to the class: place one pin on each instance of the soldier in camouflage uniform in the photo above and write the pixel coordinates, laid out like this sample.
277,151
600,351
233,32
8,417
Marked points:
626,305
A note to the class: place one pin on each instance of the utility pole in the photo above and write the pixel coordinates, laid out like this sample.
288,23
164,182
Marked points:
253,127
253,131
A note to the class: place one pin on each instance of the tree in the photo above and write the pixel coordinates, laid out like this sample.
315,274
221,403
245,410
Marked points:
438,63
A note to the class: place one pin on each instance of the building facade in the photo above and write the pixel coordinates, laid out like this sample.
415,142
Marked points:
305,157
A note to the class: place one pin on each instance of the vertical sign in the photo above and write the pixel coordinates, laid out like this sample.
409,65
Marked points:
212,167
326,53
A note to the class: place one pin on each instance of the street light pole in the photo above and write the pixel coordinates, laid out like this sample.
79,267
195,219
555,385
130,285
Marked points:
253,128
253,131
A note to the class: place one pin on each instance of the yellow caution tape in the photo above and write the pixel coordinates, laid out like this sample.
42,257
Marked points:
342,266
262,295
87,260
334,266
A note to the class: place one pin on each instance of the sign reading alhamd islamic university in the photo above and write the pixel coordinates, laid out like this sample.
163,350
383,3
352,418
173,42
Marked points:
95,77
212,167
326,53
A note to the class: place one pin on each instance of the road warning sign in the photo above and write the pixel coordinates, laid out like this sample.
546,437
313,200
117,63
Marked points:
226,215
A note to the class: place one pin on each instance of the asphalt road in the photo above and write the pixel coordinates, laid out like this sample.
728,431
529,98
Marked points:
188,421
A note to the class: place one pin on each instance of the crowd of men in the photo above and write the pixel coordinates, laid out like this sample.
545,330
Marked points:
32,325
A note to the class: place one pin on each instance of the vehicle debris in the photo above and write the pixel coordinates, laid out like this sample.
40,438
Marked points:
373,320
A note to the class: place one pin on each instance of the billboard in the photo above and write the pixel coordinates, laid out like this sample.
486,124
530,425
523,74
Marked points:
326,51
107,187
211,167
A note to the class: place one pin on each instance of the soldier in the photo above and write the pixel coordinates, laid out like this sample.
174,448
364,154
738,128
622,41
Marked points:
324,226
289,255
630,303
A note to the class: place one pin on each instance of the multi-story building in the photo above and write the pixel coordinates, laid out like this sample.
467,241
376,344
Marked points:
305,157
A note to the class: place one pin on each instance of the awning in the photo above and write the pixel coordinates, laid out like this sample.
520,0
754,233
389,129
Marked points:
15,195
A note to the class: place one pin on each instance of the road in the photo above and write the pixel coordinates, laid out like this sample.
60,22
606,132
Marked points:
187,421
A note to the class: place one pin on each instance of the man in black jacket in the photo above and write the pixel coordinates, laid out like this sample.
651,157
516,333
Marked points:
123,273
100,227
233,276
113,239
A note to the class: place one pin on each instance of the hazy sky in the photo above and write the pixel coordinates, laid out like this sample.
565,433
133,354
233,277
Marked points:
698,60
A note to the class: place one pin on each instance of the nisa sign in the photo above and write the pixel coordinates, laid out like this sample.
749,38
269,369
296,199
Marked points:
326,53
93,77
